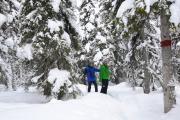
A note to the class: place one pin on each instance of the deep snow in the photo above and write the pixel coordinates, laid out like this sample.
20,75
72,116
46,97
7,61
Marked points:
121,103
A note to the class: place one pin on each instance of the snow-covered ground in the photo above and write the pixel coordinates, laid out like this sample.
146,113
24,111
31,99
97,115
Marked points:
121,103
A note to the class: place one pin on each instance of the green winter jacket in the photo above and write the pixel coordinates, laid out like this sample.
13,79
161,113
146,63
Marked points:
104,72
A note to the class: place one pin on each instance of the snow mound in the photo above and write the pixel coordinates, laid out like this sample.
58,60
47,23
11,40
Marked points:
58,78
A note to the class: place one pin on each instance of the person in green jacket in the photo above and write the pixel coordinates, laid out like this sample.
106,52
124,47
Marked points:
104,77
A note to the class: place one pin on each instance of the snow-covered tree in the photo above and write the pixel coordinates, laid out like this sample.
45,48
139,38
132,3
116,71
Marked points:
8,41
49,41
139,32
141,28
95,16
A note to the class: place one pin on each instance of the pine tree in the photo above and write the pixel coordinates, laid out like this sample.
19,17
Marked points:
8,41
95,21
46,29
136,28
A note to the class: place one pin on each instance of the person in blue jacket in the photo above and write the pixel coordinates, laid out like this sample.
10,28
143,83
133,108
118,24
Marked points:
91,77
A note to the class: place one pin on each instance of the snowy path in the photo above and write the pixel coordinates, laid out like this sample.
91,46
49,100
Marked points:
139,106
19,97
79,109
121,104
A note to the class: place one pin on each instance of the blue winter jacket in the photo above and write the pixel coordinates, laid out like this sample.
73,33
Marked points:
90,72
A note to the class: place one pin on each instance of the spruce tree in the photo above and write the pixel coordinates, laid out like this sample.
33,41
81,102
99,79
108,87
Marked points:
8,42
53,41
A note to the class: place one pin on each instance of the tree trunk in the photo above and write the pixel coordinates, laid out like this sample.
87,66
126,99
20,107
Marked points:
168,87
146,80
146,85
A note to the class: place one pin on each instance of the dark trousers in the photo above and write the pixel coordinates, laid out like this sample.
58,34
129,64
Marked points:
95,85
104,86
